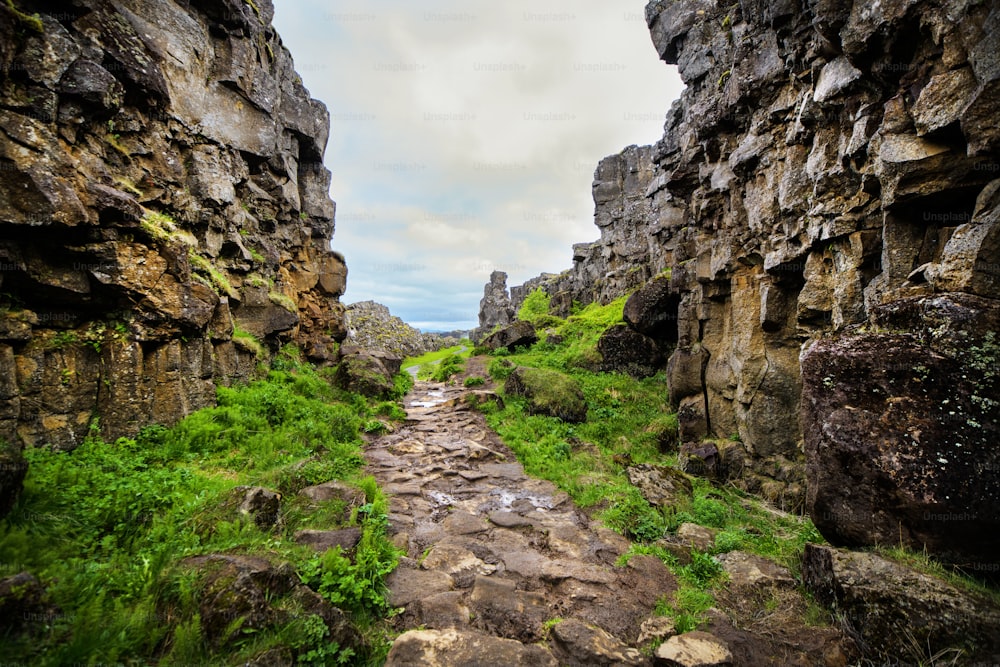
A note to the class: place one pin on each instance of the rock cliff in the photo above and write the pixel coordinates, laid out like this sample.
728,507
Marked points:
161,182
829,164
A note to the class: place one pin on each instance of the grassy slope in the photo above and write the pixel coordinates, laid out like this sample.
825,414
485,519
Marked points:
628,420
105,527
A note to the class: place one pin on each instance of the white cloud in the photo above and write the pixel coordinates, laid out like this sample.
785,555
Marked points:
464,137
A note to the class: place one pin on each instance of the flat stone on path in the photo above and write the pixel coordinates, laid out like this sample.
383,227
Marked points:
693,649
454,648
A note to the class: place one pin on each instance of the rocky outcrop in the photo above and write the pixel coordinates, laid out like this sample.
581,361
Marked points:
371,326
161,181
904,426
518,334
825,159
630,250
624,350
367,373
899,613
495,308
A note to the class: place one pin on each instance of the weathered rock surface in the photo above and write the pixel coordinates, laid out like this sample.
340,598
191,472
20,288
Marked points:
495,309
897,612
624,350
366,373
519,333
693,649
252,588
652,311
161,178
372,327
451,648
901,431
549,393
825,159
662,486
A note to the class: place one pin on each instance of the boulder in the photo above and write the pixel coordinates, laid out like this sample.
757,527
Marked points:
252,589
693,649
652,310
661,486
578,643
321,540
455,648
334,490
898,612
625,350
364,373
549,393
518,334
901,431
260,504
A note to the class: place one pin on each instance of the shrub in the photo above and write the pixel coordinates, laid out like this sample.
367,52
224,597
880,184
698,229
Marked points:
536,305
474,381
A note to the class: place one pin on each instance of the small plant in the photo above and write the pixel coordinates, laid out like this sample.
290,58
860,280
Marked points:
217,280
248,342
256,256
32,21
284,301
450,365
474,381
64,339
127,185
500,369
163,229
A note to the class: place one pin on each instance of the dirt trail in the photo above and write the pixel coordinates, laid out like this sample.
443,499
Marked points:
496,558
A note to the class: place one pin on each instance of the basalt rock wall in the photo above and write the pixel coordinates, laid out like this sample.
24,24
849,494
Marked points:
826,161
161,182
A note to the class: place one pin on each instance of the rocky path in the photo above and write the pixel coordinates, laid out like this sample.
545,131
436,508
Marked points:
501,569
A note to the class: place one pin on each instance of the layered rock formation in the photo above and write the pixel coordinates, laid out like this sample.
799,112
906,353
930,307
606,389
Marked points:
825,162
630,250
161,181
495,308
371,326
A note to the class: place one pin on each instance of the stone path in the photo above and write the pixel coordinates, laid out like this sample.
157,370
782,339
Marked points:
501,569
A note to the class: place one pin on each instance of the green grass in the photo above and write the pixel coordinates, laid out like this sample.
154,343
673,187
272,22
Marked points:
248,342
630,422
535,306
216,279
106,527
438,355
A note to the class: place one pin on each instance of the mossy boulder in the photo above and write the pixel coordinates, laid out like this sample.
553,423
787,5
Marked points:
364,373
549,393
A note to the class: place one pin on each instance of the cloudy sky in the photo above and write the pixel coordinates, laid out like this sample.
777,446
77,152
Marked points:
465,135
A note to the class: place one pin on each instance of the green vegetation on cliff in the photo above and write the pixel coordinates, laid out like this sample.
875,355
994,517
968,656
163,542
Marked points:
132,539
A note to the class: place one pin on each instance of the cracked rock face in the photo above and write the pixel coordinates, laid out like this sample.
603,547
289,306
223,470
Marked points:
826,160
161,181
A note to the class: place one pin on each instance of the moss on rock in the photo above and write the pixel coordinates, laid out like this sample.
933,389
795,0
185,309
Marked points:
549,393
